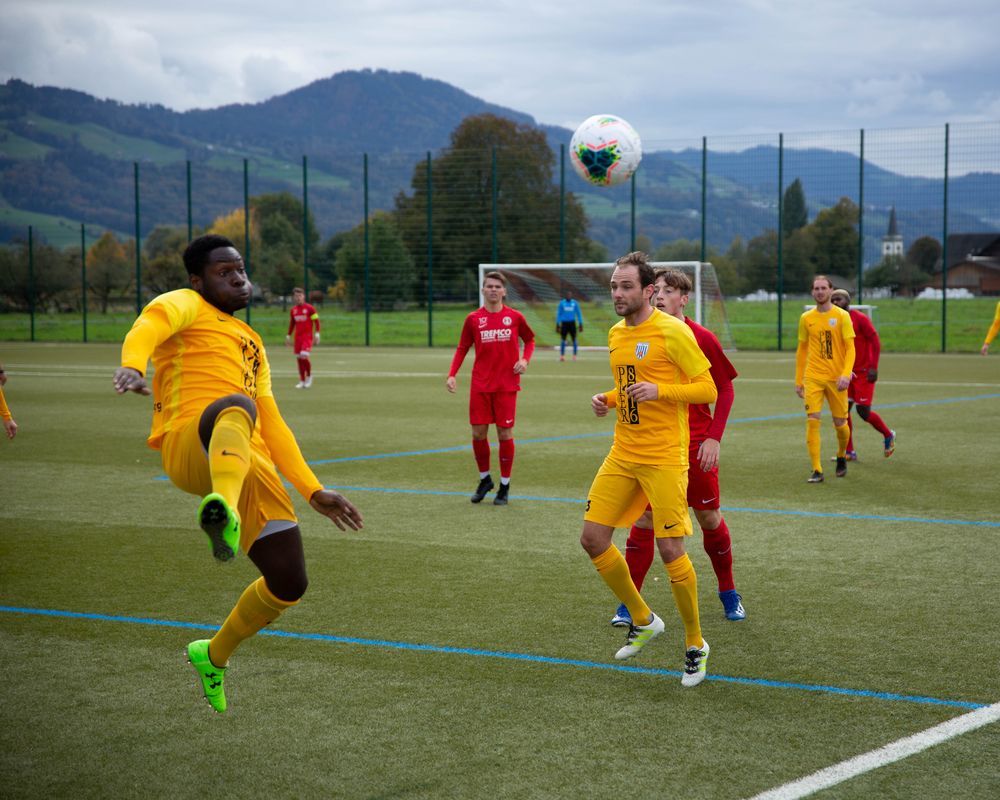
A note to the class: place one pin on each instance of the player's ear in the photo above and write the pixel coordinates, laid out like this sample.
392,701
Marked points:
195,281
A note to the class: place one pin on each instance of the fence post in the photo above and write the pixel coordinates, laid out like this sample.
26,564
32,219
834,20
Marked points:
305,227
138,243
944,250
704,194
493,205
83,277
632,214
31,279
246,230
367,265
781,234
430,252
562,202
190,214
861,219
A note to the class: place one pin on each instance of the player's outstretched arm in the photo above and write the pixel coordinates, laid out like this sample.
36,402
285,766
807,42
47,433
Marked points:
127,379
338,508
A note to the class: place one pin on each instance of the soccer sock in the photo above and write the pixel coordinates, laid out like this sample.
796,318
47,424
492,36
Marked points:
229,453
506,448
639,551
562,348
843,435
812,442
574,347
302,369
612,568
684,586
850,433
307,367
876,422
719,546
481,450
256,608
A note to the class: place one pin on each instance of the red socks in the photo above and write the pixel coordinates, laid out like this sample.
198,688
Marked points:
506,457
481,450
305,368
876,422
639,550
719,547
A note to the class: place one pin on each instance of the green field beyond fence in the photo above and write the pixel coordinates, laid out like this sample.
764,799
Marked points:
904,325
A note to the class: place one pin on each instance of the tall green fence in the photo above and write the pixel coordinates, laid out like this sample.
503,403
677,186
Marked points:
387,245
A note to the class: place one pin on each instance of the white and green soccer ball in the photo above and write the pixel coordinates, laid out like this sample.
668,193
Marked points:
605,150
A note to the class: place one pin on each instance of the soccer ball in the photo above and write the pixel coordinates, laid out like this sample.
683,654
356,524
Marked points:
605,150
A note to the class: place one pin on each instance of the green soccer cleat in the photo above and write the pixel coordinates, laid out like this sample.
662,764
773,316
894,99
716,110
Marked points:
222,526
211,676
639,636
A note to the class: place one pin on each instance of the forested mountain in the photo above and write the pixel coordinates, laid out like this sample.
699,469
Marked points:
66,156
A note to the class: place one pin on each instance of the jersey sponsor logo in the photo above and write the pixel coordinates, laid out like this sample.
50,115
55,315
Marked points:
506,320
628,409
641,348
251,365
496,335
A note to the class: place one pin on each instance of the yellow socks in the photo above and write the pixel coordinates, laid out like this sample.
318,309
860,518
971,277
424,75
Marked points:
684,585
256,608
843,437
612,567
812,443
229,453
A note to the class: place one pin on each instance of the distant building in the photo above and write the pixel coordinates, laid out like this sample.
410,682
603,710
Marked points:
892,242
973,263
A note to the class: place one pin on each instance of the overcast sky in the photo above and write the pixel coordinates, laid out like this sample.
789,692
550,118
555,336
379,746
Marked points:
673,69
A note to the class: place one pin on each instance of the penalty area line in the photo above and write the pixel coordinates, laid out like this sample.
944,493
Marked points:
875,759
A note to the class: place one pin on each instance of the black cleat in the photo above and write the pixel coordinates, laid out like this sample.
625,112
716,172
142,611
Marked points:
485,485
501,498
841,467
816,477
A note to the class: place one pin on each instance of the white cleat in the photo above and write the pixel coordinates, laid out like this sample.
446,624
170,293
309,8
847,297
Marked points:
300,385
639,636
695,665
309,382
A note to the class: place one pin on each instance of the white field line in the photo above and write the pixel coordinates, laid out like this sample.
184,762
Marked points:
895,751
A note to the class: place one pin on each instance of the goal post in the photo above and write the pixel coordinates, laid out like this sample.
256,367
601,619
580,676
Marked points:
536,289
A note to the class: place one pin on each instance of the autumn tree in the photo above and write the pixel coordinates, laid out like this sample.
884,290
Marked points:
163,262
391,272
49,277
110,269
795,215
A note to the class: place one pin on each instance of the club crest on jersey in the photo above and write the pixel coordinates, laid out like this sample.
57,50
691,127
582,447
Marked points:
507,320
482,322
641,348
833,323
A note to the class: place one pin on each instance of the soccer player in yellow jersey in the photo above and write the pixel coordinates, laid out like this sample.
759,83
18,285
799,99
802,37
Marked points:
824,363
6,418
991,334
221,437
658,369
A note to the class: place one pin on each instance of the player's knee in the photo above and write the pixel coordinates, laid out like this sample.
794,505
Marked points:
864,411
289,585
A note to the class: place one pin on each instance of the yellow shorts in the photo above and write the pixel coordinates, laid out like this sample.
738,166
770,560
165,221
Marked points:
815,392
264,498
621,490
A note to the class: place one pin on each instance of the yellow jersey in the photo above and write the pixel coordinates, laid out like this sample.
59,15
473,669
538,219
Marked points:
991,334
199,354
660,350
828,339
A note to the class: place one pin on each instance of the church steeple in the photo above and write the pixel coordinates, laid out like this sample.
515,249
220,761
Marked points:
892,242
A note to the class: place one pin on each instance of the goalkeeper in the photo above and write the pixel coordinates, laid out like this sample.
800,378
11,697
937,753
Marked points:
569,320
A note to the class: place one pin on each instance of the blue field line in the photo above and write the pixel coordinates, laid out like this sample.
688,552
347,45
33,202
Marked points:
734,509
503,655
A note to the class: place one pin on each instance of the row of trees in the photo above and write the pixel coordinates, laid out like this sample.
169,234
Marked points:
491,197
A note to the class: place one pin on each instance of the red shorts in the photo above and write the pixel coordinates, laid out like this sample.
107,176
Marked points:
861,391
497,408
303,345
703,487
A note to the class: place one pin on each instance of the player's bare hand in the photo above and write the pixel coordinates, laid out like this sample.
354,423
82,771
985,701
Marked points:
338,508
599,404
843,382
708,454
520,366
316,338
11,427
130,380
450,384
288,341
642,391
800,391
3,374
984,349
872,375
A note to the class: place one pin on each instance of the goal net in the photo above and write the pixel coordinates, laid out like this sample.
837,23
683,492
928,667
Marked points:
536,289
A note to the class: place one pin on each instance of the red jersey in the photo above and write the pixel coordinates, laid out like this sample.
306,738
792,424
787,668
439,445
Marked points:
495,336
867,346
700,419
303,318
